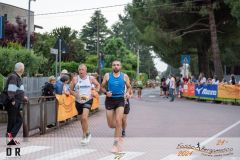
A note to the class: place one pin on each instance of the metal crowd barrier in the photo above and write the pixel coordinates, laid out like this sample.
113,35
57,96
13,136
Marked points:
40,116
32,117
49,113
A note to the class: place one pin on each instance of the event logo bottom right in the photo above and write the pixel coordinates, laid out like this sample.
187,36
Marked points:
219,149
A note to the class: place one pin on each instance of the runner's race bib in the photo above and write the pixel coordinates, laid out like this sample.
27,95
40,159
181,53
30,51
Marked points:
84,98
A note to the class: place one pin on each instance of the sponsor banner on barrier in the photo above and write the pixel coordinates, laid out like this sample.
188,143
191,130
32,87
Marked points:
189,90
206,90
229,91
96,100
66,107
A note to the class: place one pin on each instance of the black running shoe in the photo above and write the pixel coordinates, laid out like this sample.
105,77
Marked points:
123,133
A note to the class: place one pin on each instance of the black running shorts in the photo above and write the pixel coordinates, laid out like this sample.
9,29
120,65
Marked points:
80,106
114,103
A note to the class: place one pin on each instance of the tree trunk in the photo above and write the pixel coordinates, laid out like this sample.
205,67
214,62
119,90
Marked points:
214,42
203,60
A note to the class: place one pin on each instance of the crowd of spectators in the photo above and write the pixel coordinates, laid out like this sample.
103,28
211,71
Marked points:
202,79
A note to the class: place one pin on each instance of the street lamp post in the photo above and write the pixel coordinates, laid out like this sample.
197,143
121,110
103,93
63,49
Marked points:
29,28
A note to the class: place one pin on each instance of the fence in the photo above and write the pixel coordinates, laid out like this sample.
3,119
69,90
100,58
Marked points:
39,113
32,85
32,116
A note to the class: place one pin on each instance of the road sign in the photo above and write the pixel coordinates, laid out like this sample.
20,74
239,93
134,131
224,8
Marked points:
53,51
1,27
185,59
64,48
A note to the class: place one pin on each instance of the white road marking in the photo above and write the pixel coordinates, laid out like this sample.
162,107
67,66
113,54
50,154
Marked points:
125,156
24,150
69,154
152,96
219,134
175,157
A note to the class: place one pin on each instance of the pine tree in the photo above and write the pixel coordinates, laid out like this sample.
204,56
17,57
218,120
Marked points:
89,32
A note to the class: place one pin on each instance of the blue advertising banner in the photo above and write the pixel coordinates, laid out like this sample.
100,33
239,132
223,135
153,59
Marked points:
206,90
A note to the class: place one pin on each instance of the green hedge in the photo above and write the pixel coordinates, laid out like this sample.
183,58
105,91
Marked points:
2,82
10,56
73,67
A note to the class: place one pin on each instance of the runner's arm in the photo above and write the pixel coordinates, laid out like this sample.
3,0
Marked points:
104,82
128,85
95,82
72,85
131,92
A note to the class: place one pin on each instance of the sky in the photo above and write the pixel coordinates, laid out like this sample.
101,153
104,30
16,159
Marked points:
74,20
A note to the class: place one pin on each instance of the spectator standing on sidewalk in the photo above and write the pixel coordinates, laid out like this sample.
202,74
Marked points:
172,87
232,80
65,79
202,79
193,79
185,79
15,92
58,87
178,84
168,83
48,88
215,80
164,86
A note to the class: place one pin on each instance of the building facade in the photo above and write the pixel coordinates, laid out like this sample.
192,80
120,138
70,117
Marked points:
10,13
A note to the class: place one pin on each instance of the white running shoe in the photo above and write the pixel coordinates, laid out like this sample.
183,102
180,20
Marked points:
84,140
88,137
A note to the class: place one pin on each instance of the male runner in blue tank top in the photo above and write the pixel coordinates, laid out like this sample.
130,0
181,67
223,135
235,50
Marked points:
115,100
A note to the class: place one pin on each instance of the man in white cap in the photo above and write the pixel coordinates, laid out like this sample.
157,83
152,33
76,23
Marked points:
63,72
